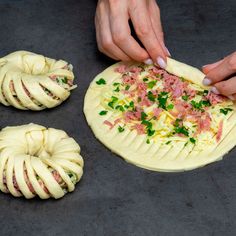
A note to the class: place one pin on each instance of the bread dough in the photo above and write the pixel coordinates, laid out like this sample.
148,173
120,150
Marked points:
36,161
29,81
156,155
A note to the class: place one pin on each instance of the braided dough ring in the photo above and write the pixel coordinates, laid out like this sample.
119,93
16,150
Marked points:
35,161
29,81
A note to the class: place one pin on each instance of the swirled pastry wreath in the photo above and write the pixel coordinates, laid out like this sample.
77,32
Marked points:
36,161
29,81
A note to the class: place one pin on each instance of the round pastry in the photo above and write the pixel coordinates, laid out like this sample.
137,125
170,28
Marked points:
162,120
36,161
29,81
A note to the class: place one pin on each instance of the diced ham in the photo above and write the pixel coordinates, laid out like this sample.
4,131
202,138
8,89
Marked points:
139,128
135,69
106,122
214,98
121,69
129,116
220,131
129,80
157,111
57,176
204,123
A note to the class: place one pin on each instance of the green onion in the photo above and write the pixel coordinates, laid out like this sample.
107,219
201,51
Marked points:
119,107
145,79
143,115
116,84
150,132
103,113
101,81
148,141
117,89
168,142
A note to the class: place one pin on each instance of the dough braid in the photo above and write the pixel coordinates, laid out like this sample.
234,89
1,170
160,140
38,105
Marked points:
34,82
36,161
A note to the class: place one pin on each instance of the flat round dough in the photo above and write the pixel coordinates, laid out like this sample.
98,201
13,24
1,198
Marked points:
30,81
36,161
155,155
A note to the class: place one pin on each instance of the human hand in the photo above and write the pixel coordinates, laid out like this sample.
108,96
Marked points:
113,32
221,75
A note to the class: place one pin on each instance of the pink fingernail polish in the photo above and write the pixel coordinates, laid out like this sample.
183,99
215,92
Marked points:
148,61
161,62
215,90
206,81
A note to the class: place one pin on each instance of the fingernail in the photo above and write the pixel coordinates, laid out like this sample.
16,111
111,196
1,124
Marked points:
215,90
161,62
168,51
231,97
206,81
148,61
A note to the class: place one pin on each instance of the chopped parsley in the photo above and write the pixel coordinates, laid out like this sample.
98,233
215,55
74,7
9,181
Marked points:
143,115
150,132
180,129
185,97
170,107
131,104
152,84
120,108
113,100
121,129
101,81
103,113
148,141
145,79
127,87
151,96
117,89
200,105
162,99
168,142
116,84
192,140
225,110
64,80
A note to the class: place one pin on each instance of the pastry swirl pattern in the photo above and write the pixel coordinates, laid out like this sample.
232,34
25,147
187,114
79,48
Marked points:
36,161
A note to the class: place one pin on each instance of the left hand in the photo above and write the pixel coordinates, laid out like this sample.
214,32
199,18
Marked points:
221,75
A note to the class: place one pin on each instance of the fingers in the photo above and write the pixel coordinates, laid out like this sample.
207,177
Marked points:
227,87
155,17
121,33
103,34
222,71
209,67
143,27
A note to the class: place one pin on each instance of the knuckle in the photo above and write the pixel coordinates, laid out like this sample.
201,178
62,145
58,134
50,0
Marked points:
142,30
119,37
106,44
223,87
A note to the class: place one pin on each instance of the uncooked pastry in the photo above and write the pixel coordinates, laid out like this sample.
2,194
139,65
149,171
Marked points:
164,142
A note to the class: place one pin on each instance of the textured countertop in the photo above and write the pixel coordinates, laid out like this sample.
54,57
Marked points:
116,198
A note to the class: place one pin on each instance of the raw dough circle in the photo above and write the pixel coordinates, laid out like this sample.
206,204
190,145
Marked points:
133,148
29,81
36,161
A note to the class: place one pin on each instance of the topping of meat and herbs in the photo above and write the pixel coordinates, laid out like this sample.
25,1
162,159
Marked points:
162,106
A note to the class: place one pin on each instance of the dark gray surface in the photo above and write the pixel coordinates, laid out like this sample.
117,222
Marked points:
116,198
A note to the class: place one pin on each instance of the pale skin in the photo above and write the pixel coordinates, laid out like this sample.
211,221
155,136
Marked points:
221,75
114,35
114,39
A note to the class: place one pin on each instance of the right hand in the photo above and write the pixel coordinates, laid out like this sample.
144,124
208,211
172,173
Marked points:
114,35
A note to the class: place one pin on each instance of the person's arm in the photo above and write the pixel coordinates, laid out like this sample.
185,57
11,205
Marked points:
113,32
222,76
